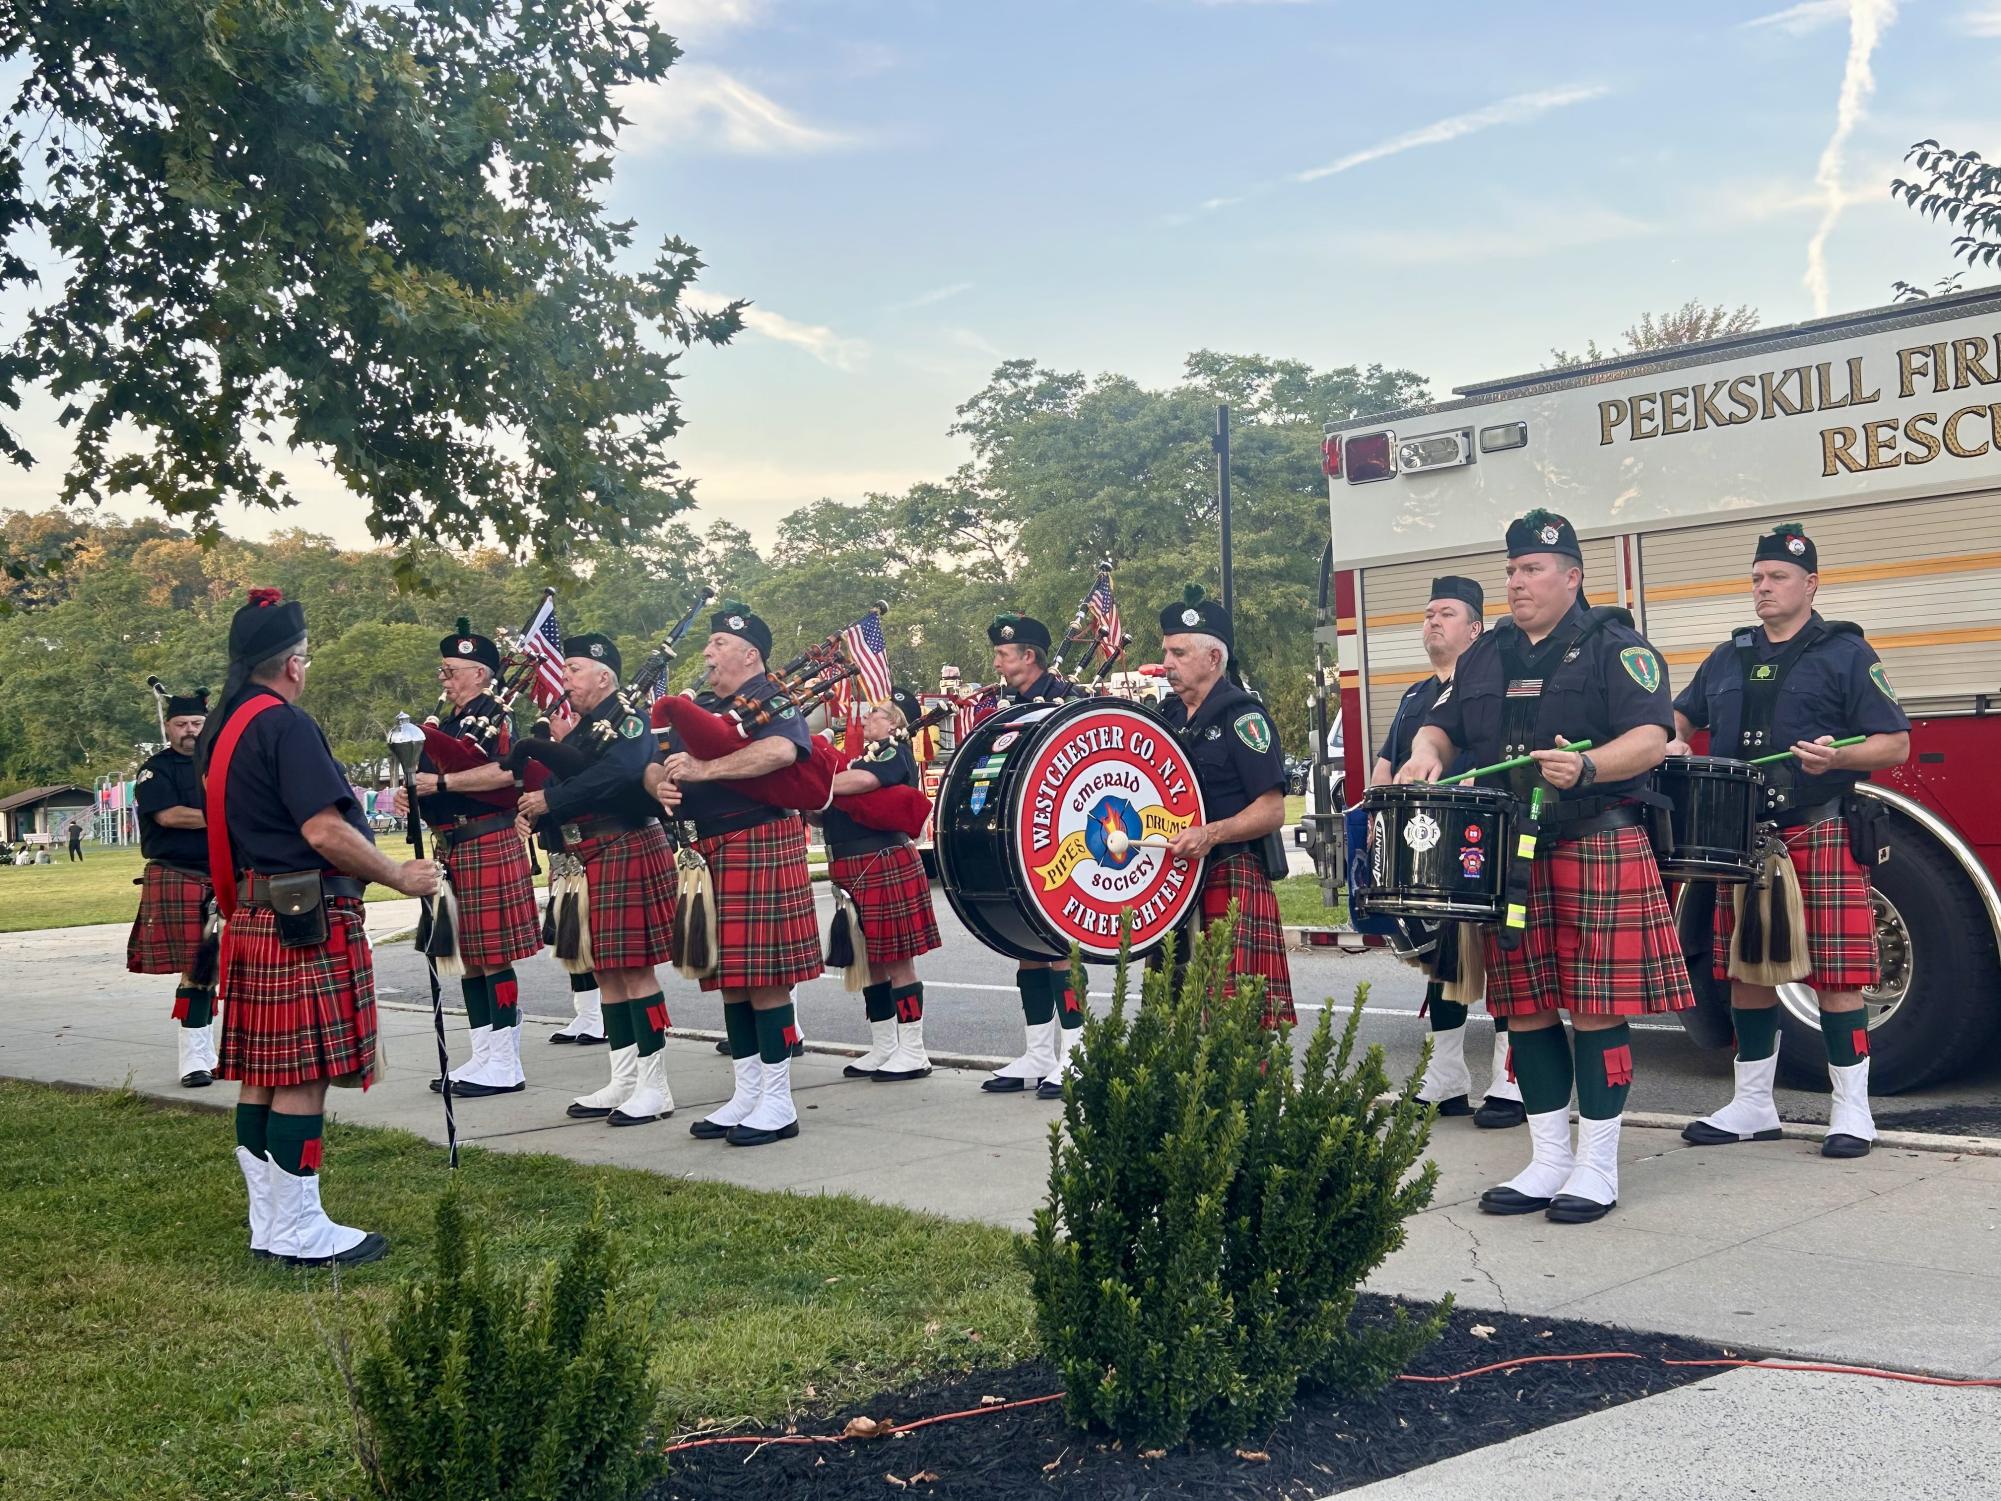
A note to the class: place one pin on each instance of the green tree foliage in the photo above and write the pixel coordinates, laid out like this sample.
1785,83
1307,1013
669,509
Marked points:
1211,1214
374,232
1965,191
1691,323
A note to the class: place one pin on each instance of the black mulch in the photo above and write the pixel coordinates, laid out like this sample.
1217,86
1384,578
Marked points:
1329,1443
1943,1120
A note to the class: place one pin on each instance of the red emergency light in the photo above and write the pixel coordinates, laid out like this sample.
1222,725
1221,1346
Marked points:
1330,456
1371,456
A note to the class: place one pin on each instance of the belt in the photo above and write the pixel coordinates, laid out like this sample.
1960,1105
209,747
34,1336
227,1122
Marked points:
605,826
257,889
460,830
184,870
849,849
1625,816
736,823
1799,818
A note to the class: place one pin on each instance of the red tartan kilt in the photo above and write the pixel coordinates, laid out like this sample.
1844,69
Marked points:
1834,894
498,921
172,911
297,1016
1260,943
893,895
1600,938
631,881
766,933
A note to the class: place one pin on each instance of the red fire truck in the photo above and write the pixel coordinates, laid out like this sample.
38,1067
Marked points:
1881,432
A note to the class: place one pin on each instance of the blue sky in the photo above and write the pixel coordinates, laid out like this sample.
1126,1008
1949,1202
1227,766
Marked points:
911,191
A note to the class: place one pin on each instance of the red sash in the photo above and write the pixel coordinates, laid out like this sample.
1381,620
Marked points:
221,858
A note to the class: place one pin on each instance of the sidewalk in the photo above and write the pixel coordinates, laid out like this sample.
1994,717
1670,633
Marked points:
1892,1260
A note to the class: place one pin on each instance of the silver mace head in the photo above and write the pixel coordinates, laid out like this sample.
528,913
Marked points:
406,744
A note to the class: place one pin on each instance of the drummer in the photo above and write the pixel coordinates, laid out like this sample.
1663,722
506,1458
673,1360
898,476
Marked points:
1452,623
1797,682
1599,939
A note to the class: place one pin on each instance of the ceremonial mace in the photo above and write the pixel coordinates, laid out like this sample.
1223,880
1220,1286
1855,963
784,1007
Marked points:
406,748
159,704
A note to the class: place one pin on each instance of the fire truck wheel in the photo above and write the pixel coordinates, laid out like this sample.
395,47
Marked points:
1934,1011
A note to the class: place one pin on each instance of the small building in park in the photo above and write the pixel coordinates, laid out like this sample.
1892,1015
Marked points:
42,815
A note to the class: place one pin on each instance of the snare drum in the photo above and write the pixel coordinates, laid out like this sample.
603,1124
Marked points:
1713,817
1438,852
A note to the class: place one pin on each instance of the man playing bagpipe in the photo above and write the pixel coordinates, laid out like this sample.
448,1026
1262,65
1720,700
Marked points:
879,872
486,912
624,917
174,901
766,937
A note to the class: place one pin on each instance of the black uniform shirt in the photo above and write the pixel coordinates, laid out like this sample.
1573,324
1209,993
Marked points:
614,784
441,807
710,802
1230,742
283,773
169,780
1048,687
893,766
1409,719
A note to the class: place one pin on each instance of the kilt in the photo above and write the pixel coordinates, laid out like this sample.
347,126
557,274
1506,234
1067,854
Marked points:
498,921
893,895
297,1016
173,907
631,878
766,932
1600,938
1834,895
1260,941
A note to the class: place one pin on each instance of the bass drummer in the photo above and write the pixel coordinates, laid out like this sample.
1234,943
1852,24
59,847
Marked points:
1452,623
1797,682
1599,939
1051,1010
1230,742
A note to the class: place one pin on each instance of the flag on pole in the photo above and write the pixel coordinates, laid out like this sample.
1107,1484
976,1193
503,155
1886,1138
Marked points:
969,714
1105,611
544,640
869,652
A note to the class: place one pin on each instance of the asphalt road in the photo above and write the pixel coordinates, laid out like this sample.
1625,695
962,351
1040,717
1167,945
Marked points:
971,1007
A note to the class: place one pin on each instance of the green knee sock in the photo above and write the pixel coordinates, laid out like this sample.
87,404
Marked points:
1068,1004
740,1026
1604,1071
1038,1001
647,1017
876,1002
777,1030
1500,1024
1757,1032
479,1009
1542,1068
252,1128
1847,1034
194,1005
585,981
1446,1016
909,1001
618,1028
504,992
295,1142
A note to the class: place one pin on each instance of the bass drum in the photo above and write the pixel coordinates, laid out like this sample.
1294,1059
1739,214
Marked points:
1022,824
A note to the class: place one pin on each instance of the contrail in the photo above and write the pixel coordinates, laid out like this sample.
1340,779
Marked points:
1867,21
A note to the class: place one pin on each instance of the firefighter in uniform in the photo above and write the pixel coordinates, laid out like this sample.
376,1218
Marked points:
1453,620
611,825
290,854
1798,682
486,864
880,870
167,935
1599,940
767,934
1229,740
1052,1012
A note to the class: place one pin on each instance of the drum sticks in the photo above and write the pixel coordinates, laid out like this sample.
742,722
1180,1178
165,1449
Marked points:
1483,771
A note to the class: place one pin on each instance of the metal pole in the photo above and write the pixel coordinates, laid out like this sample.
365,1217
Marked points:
1221,443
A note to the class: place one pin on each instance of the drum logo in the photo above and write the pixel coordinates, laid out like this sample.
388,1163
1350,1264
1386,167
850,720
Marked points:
1006,738
1472,860
1089,798
1422,832
1472,833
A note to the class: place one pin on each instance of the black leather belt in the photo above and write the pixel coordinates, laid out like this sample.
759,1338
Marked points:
1799,818
849,851
736,823
577,830
256,890
462,829
1625,816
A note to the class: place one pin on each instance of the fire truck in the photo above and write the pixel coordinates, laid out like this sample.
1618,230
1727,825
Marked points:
1881,432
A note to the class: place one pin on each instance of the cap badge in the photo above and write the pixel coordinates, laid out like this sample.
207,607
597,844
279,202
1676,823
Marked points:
1191,617
1796,546
736,622
597,648
1007,633
1550,534
465,647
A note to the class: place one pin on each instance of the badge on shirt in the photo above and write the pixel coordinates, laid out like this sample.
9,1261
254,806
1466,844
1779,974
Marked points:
1641,666
1254,731
1214,732
883,752
1882,680
149,772
1764,672
632,727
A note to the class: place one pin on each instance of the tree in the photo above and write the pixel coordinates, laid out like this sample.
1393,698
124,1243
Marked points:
373,232
1691,323
1963,190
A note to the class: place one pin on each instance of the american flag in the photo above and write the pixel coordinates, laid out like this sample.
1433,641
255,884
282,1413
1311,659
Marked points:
544,640
870,653
1105,611
970,713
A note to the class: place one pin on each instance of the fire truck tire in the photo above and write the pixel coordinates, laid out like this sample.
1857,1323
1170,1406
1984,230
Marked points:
1939,967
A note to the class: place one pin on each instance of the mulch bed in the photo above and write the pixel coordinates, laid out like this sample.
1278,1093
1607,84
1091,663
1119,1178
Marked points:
1943,1120
1330,1443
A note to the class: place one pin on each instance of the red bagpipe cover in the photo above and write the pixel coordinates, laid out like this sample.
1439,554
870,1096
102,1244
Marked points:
900,809
451,753
804,785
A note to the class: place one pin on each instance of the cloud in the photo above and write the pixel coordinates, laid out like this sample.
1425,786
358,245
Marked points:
821,342
1515,110
700,105
931,298
1982,20
682,19
1867,21
1800,20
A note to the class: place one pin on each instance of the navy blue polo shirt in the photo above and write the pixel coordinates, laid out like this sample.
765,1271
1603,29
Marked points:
443,807
711,802
892,766
169,780
283,772
1231,743
614,784
1409,718
1049,686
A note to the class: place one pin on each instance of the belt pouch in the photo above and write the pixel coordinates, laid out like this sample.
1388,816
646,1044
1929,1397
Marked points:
300,905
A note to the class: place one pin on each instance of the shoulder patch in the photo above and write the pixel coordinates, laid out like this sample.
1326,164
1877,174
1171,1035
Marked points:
1443,694
144,776
886,751
1254,730
1642,666
1882,680
631,727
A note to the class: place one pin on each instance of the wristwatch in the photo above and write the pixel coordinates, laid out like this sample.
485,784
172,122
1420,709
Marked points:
441,775
1587,770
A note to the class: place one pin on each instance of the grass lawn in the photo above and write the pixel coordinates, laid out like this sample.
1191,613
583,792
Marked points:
144,1355
1299,905
65,894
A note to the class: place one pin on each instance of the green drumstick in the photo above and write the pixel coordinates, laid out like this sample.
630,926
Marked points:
1787,755
1483,771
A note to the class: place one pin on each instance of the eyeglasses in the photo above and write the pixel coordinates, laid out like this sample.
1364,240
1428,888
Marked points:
452,670
303,660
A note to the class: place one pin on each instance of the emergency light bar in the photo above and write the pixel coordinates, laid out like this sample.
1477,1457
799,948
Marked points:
1436,451
1370,457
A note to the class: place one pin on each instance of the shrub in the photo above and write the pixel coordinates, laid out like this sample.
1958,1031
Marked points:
525,1388
1211,1214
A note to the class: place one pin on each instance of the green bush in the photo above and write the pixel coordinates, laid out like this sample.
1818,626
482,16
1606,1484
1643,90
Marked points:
1211,1214
483,1386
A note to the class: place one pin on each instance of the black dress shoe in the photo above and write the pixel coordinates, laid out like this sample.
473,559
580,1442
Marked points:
1840,1144
851,1072
1505,1200
470,1091
708,1130
723,1046
1702,1134
1049,1089
561,1038
201,1078
1456,1106
1497,1114
618,1118
578,1112
586,1042
999,1085
1569,1209
745,1136
798,1050
900,1076
371,1247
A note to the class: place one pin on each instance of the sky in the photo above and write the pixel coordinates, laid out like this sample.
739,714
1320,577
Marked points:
910,191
